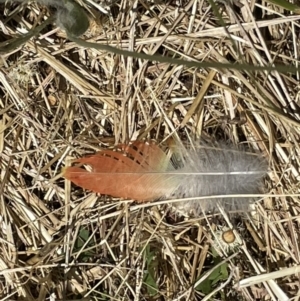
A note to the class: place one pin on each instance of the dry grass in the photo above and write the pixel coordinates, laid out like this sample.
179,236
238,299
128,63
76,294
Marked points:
60,101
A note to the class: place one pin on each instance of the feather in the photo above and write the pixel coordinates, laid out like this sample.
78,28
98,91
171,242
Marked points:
143,172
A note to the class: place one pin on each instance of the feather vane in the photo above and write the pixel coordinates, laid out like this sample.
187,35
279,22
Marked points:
136,171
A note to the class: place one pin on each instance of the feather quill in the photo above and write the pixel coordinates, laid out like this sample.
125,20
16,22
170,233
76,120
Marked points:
142,171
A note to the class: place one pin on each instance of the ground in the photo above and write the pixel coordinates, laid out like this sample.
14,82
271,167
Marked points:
62,100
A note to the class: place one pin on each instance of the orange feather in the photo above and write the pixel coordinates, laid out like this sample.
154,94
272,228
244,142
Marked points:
136,171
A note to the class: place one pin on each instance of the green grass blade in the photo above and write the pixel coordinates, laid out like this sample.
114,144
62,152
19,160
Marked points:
190,64
13,43
286,5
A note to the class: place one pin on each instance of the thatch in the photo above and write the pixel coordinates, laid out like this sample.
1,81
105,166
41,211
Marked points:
60,101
